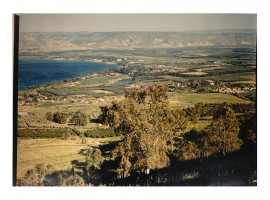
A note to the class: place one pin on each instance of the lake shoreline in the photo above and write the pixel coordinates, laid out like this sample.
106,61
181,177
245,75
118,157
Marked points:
64,68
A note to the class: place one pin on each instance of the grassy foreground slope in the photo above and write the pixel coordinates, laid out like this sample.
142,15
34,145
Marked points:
56,152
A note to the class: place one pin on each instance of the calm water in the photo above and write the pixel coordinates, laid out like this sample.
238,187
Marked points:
38,72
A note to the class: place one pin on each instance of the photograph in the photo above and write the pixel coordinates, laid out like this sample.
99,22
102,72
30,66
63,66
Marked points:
129,99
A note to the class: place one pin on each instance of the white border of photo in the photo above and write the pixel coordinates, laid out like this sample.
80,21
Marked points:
136,6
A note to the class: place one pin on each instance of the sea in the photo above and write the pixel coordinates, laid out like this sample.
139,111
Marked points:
39,72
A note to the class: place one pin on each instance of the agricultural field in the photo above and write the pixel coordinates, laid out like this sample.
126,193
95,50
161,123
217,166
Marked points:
102,80
250,78
174,78
236,77
189,99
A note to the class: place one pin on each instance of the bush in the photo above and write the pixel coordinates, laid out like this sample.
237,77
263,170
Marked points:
59,118
49,116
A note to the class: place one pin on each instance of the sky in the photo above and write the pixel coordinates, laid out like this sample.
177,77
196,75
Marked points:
134,22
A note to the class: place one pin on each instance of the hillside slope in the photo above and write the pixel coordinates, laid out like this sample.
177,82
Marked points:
59,41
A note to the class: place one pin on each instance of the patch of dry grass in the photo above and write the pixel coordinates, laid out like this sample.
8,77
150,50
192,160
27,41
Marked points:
102,91
250,79
209,68
194,73
56,152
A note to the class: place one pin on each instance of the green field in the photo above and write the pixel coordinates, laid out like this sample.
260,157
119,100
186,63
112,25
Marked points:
45,105
189,99
251,95
99,80
231,77
174,78
64,91
148,79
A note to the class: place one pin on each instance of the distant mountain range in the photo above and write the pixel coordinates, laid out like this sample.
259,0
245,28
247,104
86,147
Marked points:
61,41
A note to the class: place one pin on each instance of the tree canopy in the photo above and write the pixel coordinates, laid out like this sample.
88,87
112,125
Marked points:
148,123
79,119
222,135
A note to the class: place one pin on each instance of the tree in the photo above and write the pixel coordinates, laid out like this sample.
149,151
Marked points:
79,119
187,150
94,161
148,124
189,145
222,135
138,94
179,119
49,116
94,158
199,107
59,118
197,112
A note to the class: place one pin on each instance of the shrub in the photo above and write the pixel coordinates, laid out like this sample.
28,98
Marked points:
49,116
59,118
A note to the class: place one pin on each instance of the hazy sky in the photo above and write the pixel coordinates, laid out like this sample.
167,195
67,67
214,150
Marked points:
134,22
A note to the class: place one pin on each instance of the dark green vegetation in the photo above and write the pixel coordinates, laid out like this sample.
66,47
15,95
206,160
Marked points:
102,133
59,118
66,132
49,104
46,133
250,95
56,91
